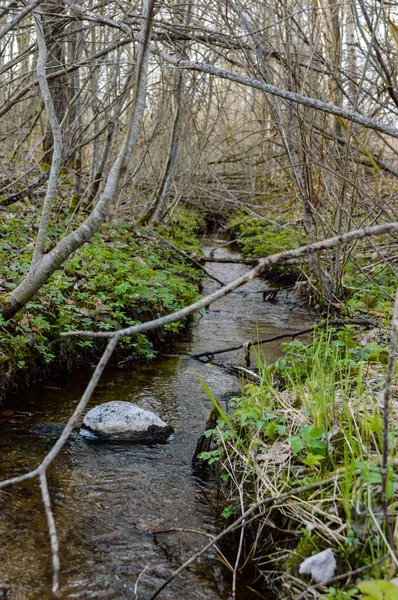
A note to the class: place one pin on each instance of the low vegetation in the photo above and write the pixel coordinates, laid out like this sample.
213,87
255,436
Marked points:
316,416
123,277
258,237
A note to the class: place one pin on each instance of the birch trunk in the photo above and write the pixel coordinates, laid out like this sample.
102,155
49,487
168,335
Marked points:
45,264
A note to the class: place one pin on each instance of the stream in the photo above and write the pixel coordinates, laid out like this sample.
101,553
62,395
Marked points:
119,509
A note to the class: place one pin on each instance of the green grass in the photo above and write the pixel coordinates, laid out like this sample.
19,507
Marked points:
315,413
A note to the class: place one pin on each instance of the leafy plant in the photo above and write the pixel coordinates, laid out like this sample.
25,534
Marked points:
308,441
378,589
257,237
121,278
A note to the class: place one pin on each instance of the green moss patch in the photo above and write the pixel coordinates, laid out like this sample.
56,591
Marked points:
259,238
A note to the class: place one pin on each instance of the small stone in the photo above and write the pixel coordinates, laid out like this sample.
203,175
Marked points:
320,566
124,421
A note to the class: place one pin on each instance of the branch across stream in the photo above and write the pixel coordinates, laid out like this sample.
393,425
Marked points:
109,500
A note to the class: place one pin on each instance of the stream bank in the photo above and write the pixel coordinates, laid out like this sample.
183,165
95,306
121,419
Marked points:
121,510
125,275
305,443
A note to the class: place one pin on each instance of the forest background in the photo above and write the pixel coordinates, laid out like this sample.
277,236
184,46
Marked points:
125,129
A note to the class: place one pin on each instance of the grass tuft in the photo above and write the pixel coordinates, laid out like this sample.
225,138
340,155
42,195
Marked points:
316,413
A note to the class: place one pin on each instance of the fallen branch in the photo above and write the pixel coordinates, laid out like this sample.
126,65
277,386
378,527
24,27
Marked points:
242,261
232,261
280,336
259,269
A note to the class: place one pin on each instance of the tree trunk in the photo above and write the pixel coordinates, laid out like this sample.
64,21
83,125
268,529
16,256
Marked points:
53,25
45,264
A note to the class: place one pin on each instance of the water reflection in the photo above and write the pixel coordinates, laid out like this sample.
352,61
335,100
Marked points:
110,500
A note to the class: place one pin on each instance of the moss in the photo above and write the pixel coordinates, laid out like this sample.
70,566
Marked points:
308,545
74,201
259,238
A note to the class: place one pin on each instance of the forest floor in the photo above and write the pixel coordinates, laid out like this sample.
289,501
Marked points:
124,276
308,434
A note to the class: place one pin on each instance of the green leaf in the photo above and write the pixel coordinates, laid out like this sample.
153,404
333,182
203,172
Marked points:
220,411
313,460
271,429
296,443
315,432
378,589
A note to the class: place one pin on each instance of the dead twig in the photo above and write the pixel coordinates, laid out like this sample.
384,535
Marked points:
51,528
386,424
280,336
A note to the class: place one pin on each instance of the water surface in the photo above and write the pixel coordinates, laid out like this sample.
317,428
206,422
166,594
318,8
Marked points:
111,502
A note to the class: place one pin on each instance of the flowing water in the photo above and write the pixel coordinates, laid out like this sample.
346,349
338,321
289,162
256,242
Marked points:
121,510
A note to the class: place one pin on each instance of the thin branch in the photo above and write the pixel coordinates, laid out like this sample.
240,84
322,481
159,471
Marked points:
320,105
11,24
386,424
52,530
259,269
281,336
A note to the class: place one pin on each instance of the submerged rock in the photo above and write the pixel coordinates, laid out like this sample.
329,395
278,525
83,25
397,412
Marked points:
127,422
47,430
320,566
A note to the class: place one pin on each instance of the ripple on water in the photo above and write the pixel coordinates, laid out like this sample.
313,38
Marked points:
112,501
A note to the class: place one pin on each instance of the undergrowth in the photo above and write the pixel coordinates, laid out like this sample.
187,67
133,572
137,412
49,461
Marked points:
257,238
314,415
122,277
368,276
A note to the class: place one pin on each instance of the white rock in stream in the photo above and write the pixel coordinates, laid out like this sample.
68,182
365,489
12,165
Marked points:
320,566
124,421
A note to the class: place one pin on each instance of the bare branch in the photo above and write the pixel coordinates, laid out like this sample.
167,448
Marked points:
51,528
11,24
386,423
259,269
